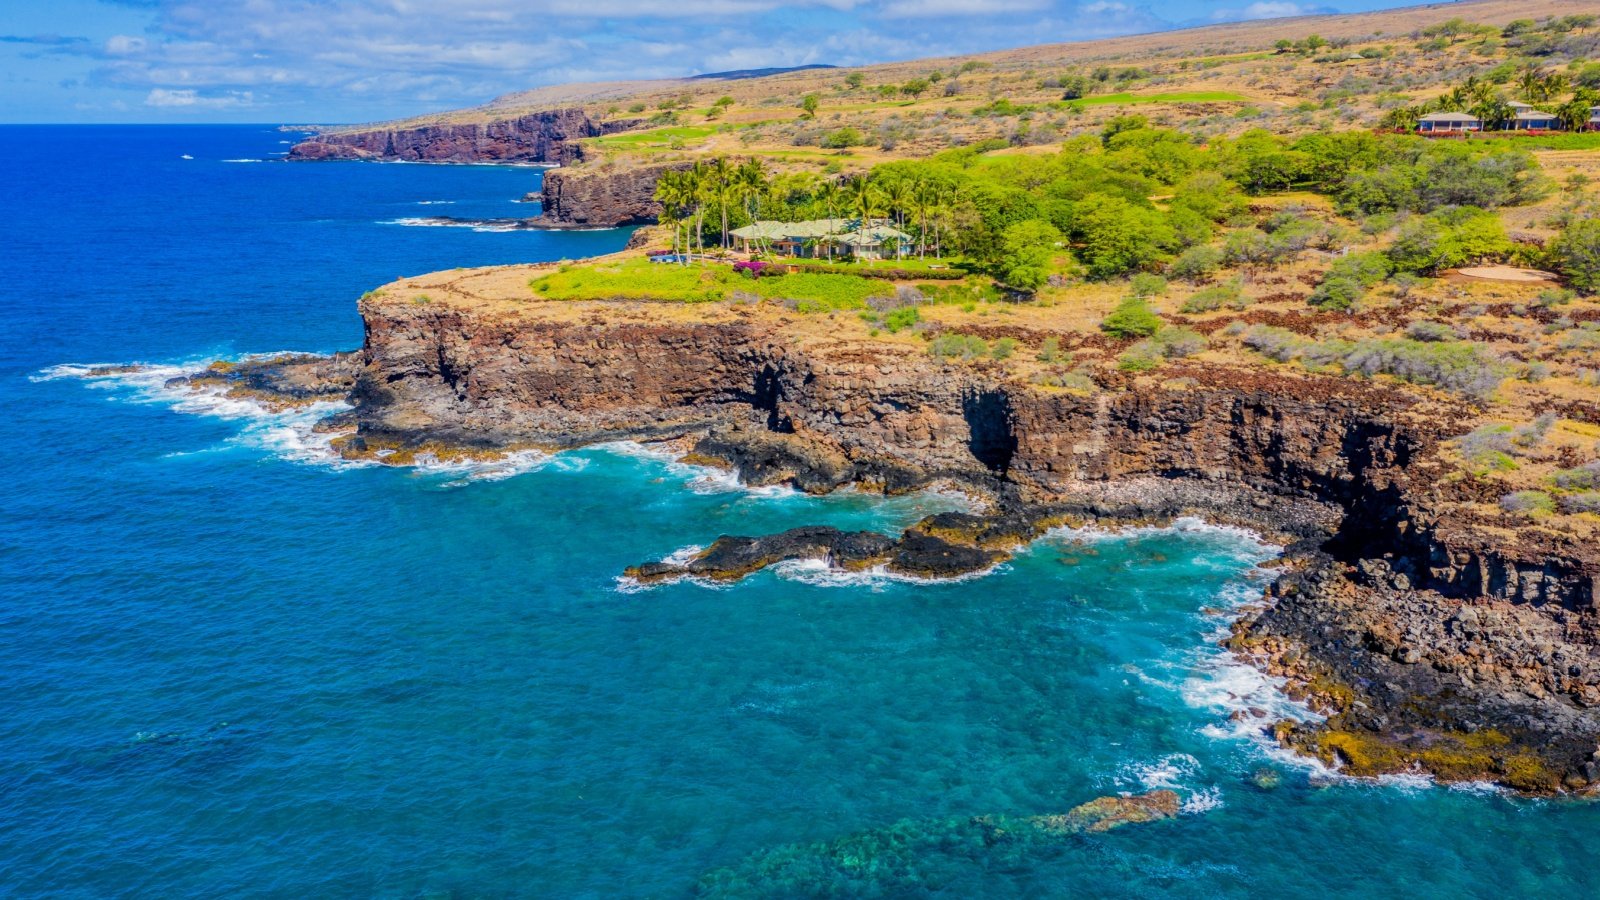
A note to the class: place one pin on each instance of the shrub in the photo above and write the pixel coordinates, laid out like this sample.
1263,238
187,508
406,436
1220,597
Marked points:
1131,319
1050,351
900,319
1196,263
1141,357
1003,348
1456,367
841,138
1576,254
1216,297
1176,342
1584,478
958,346
1528,503
1279,344
1072,381
1432,332
1488,448
1337,293
1146,284
1586,502
1367,269
1584,337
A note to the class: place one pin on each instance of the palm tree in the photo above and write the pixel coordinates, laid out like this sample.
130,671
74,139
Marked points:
865,201
673,195
827,196
697,179
897,194
927,197
721,184
752,182
1493,113
1575,114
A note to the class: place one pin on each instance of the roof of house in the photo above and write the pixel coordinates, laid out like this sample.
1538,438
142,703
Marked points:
1448,117
767,230
877,234
1534,114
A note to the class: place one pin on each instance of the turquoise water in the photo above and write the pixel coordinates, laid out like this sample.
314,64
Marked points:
232,667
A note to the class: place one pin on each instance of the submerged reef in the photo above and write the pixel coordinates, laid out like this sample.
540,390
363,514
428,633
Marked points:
903,857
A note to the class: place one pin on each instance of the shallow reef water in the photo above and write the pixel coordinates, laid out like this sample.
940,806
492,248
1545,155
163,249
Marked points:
233,666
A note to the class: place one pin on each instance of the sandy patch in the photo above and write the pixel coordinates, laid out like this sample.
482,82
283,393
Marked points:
1505,273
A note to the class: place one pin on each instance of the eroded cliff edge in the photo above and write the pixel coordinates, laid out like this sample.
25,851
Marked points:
1433,641
543,137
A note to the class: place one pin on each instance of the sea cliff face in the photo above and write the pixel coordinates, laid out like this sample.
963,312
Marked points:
543,137
1461,650
601,198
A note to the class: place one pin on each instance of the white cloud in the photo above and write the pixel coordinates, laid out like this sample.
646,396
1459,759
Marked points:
192,99
933,9
1268,9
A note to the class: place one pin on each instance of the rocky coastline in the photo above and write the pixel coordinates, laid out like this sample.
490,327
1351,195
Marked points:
550,137
1433,644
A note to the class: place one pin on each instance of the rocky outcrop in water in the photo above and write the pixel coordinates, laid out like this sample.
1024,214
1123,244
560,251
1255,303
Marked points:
542,137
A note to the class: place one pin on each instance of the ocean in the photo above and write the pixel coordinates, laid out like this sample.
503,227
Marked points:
234,666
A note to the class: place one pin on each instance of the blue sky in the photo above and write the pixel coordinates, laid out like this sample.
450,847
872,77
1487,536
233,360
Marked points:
326,61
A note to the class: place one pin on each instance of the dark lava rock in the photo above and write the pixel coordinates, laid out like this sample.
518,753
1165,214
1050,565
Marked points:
730,558
927,556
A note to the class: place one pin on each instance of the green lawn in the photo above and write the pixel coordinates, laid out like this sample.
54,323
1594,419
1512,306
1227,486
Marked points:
640,279
639,140
1127,99
1586,140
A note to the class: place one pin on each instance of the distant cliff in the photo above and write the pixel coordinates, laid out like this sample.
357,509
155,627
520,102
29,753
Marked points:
543,137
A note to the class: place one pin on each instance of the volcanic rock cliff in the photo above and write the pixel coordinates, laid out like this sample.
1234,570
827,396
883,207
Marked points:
542,137
601,198
1432,642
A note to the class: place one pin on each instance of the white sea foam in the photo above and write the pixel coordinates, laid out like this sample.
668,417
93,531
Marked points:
682,555
1202,801
1175,770
242,160
436,202
465,472
819,573
699,479
430,222
289,434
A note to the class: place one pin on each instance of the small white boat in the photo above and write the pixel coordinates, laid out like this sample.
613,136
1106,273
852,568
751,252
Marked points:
187,156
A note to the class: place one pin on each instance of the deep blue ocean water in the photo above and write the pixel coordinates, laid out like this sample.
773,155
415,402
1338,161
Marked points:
231,667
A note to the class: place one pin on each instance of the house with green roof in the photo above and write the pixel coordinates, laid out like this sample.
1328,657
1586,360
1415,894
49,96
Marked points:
823,237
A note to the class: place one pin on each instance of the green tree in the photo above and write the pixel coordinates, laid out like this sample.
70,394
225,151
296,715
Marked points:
808,106
1120,236
1027,248
855,80
1448,238
1120,125
1576,254
916,87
